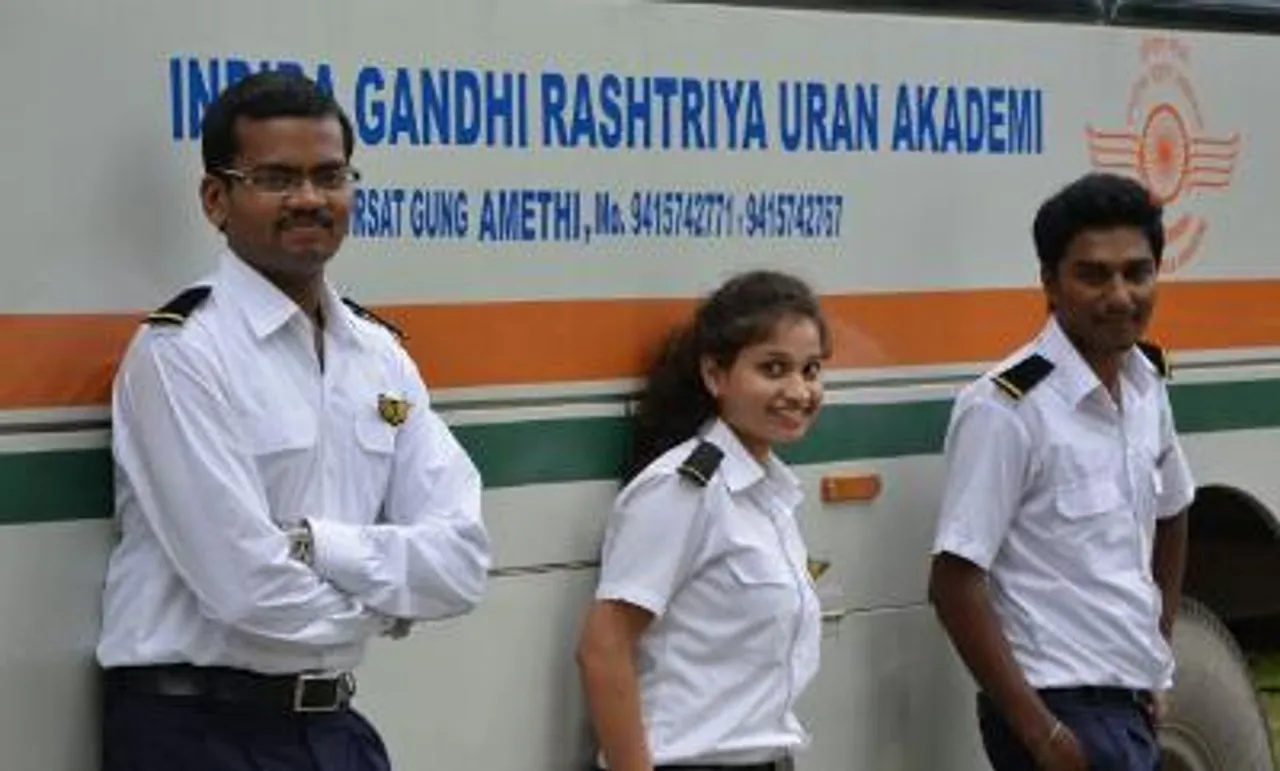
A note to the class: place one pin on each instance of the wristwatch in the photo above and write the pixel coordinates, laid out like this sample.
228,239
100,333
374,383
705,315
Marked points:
301,543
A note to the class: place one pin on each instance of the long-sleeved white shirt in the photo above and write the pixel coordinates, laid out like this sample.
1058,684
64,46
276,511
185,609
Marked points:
227,430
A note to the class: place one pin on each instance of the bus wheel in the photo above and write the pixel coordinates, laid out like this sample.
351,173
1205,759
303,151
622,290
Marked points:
1215,720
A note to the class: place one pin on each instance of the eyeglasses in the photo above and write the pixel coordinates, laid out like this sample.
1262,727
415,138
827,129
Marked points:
282,179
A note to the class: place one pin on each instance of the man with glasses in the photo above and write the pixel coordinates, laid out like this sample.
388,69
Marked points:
283,489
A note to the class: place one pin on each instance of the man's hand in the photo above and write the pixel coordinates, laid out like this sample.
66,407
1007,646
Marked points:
302,549
399,629
958,589
1159,707
1061,751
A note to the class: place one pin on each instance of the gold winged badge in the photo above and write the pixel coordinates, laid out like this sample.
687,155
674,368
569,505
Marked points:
393,409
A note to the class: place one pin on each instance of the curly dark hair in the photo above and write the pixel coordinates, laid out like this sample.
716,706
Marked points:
743,311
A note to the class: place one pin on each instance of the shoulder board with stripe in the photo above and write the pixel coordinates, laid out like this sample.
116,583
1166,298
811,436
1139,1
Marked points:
369,315
177,310
1156,355
701,464
1017,380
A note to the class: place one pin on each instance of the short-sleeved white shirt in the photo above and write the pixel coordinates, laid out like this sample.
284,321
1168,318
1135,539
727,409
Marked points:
1056,494
736,634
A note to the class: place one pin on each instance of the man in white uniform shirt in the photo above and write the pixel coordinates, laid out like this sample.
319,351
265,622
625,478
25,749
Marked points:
283,488
1060,547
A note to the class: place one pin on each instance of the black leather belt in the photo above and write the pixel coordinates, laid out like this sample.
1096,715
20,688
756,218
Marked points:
775,765
1101,694
783,763
751,767
305,692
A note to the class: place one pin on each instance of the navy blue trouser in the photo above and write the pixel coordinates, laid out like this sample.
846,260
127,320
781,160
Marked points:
145,732
1115,733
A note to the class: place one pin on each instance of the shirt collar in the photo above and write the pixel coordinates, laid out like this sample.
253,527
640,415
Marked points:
267,309
1075,378
341,319
742,470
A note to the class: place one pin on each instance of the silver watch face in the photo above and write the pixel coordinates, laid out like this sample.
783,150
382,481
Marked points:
300,544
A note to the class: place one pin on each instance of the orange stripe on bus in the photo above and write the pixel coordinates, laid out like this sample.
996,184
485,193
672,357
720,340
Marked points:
63,360
67,360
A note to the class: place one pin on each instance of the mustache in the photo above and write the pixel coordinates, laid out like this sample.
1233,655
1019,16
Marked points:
313,218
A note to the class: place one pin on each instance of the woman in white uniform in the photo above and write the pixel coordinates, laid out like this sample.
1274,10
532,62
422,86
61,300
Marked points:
705,626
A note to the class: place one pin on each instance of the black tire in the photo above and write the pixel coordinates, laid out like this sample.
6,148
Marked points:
1215,720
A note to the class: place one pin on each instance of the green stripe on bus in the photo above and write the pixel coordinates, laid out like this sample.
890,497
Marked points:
62,485
54,486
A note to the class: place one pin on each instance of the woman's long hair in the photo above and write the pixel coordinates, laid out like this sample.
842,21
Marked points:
675,402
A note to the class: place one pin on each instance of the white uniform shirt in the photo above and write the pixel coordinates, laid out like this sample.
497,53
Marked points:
226,431
1057,494
736,633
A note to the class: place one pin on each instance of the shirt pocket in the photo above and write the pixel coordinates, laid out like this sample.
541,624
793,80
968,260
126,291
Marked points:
1081,500
282,446
763,603
1094,528
1151,479
1146,457
281,433
375,437
375,447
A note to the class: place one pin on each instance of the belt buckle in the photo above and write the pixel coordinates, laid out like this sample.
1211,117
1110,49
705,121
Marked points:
318,693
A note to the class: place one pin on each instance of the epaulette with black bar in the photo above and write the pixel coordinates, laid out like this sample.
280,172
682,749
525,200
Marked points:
1017,380
701,464
369,315
177,310
1156,355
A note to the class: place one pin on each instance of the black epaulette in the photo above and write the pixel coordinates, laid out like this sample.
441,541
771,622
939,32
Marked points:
701,464
1023,376
177,310
369,315
1156,355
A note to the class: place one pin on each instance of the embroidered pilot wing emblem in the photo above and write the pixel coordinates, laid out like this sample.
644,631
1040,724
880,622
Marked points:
393,409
